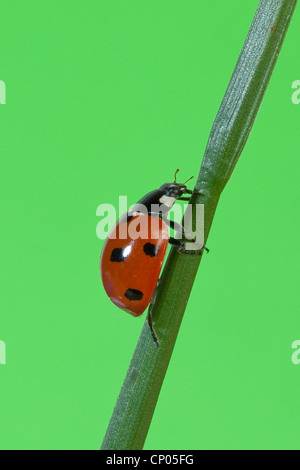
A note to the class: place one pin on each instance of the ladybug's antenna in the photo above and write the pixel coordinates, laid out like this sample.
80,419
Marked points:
175,175
188,179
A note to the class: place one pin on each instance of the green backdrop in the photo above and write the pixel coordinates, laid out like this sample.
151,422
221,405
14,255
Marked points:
108,98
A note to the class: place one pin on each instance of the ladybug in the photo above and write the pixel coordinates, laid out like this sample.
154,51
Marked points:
130,265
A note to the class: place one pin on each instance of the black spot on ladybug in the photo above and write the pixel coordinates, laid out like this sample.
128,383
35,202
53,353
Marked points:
118,255
150,249
134,294
129,217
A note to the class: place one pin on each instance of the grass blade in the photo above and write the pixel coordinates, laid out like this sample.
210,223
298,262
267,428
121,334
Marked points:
136,403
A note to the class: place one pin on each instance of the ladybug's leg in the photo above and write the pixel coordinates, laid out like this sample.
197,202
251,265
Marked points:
189,191
179,228
180,245
175,242
149,315
150,323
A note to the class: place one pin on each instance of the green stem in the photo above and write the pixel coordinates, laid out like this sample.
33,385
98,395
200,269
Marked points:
136,403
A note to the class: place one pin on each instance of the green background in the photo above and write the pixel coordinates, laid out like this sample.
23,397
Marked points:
108,98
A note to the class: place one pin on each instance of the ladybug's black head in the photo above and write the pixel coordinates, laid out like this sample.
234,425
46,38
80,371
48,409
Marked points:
166,195
175,190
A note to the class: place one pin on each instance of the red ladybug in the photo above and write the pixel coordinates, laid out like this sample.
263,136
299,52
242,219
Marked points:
130,267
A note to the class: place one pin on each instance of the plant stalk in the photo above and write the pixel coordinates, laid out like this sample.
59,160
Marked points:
133,412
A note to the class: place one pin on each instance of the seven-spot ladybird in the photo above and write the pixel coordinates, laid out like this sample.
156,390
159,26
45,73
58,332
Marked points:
130,267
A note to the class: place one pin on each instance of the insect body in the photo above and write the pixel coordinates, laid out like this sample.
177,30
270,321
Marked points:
130,267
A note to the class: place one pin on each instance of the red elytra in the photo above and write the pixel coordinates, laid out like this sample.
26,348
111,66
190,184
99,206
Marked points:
130,268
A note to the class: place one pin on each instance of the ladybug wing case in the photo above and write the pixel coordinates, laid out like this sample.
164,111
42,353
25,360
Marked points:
130,267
